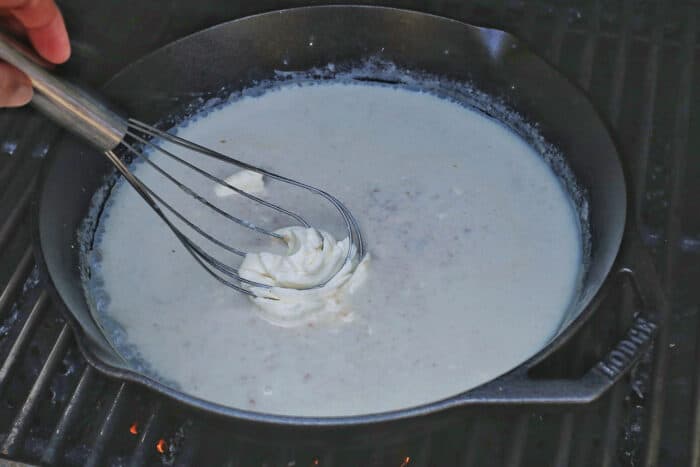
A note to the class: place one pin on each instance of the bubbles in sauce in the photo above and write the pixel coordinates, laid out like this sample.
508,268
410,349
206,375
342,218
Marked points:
476,254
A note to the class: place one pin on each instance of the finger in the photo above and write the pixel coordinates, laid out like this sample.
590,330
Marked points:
45,27
15,87
10,4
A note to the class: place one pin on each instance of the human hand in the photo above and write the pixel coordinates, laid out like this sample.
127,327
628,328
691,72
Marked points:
41,22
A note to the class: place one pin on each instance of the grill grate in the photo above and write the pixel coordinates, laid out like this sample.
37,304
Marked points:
637,59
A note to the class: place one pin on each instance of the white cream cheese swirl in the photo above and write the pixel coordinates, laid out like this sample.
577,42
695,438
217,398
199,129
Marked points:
313,257
246,180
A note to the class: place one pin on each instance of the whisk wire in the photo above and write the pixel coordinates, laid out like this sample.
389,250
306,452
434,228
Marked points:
224,273
195,227
213,178
354,233
199,197
204,259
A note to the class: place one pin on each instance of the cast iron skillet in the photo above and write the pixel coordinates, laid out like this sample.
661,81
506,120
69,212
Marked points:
236,54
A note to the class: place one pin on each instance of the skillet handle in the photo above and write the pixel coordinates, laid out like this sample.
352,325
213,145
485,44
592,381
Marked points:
63,102
518,387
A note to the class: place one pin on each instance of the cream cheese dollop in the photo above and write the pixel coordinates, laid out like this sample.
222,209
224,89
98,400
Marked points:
313,257
246,180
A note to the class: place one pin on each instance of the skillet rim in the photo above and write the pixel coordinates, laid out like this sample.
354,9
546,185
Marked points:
458,400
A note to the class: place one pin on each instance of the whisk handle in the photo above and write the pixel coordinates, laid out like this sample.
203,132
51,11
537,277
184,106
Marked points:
63,102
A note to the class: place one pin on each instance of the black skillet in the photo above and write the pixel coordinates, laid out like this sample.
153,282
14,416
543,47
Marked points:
172,81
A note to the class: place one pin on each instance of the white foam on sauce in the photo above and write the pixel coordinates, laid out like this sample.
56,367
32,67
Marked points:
476,254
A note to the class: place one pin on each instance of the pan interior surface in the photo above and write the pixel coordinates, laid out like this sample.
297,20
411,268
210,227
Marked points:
477,233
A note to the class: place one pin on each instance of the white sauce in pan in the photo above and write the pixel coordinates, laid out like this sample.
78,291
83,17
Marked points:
475,255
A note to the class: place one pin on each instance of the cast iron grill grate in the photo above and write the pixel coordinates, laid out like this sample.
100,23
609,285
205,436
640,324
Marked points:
637,60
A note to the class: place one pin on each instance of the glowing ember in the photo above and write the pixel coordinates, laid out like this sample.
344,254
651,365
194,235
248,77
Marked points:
134,428
406,461
316,461
161,446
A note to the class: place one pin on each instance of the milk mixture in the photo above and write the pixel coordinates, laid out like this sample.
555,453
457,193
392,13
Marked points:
475,253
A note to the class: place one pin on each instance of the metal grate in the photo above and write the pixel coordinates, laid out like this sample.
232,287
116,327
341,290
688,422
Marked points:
636,59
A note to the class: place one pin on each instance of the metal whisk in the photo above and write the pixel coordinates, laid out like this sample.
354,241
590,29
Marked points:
109,132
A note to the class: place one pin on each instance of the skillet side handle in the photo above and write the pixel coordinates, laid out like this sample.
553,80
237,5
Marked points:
519,388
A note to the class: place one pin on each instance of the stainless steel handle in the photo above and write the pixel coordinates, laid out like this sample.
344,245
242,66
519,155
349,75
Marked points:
63,102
